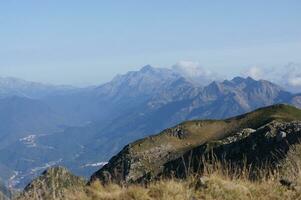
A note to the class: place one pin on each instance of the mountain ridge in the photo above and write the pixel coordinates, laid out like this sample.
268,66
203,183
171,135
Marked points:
10,86
145,159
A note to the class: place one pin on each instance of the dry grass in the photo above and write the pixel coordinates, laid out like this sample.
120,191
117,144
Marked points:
217,183
216,188
161,190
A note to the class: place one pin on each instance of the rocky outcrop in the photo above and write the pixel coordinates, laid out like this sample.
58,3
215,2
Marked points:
51,185
268,147
178,132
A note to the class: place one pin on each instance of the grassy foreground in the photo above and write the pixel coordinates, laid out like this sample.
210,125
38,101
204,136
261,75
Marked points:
217,183
215,187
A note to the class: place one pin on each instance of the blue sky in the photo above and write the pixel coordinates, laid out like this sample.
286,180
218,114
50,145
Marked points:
88,42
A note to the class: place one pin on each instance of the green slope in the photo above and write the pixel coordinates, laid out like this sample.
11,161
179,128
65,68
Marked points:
146,157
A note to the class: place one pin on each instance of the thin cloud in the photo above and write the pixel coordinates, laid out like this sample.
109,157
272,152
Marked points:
288,76
194,71
255,72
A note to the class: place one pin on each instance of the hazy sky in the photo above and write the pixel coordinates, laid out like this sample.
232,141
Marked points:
88,42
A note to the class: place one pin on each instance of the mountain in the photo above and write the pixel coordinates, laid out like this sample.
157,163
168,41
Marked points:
30,122
95,123
145,82
17,87
110,100
179,102
263,137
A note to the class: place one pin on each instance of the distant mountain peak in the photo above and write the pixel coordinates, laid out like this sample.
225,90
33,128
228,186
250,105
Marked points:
250,79
147,68
10,86
239,80
214,84
213,88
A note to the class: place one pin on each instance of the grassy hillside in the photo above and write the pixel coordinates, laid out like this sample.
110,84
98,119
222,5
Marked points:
199,131
146,157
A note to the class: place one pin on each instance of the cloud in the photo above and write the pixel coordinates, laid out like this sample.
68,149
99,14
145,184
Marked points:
194,71
190,68
288,76
292,75
295,81
254,72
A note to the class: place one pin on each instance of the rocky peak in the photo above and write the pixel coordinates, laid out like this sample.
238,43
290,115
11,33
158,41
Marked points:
213,88
268,147
51,184
147,68
237,80
250,79
148,81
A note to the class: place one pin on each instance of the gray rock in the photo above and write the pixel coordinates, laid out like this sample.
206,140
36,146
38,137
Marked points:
280,136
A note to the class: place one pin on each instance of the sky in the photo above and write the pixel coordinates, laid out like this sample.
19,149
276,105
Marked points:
89,42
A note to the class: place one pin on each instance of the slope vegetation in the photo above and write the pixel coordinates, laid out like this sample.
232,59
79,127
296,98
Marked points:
148,158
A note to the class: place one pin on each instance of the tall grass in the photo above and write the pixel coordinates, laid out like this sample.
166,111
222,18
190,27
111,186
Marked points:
215,180
218,180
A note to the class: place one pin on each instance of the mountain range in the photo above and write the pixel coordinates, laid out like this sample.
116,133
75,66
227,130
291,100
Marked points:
82,128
